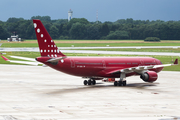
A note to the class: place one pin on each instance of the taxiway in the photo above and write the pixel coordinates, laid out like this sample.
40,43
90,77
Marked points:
65,50
35,92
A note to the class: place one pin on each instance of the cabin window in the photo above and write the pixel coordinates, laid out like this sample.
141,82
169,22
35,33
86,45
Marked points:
116,63
88,63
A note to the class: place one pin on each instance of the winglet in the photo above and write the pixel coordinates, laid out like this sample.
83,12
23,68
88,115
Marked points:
176,62
5,58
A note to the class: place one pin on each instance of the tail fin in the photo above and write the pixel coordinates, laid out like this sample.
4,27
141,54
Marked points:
47,47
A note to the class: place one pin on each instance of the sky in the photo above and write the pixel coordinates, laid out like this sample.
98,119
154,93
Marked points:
108,10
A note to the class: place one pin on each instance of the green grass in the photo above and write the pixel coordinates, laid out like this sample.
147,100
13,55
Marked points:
163,59
141,50
81,43
22,54
112,43
90,44
21,44
101,40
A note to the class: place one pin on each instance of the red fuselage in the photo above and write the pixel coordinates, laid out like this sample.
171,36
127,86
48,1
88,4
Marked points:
94,67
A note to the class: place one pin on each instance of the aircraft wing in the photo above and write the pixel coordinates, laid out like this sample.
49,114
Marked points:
30,62
141,69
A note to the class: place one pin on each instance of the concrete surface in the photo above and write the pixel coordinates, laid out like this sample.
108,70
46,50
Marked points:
35,92
97,52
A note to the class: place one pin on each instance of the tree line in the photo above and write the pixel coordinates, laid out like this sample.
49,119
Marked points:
81,28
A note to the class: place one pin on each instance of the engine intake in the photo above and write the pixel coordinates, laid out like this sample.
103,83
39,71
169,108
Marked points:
149,76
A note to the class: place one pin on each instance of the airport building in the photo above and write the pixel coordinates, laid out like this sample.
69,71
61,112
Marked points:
14,38
70,13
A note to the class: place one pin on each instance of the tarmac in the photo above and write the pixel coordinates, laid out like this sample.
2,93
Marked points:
36,93
73,50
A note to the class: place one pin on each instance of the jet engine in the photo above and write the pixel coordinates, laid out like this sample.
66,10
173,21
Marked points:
149,76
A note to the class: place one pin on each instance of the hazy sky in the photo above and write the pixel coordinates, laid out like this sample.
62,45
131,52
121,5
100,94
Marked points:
108,10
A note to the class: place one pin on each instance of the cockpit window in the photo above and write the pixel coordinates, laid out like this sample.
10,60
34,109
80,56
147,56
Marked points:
159,62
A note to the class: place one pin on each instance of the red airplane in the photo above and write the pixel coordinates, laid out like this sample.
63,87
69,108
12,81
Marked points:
96,68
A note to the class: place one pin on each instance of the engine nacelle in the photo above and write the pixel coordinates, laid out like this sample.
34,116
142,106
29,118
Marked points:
149,76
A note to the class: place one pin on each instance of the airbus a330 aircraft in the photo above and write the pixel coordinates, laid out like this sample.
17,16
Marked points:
95,68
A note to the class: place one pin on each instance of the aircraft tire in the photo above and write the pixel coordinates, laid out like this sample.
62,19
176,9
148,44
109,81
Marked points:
89,82
120,83
124,83
85,82
94,82
115,83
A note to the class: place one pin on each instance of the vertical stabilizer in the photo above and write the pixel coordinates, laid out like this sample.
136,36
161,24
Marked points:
47,47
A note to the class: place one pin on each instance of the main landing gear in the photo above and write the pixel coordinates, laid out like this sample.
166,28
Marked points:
89,82
120,83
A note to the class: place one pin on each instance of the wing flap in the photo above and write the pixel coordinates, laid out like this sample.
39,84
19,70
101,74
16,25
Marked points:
140,69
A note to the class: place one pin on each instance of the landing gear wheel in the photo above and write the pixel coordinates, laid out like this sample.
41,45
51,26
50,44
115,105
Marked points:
85,82
89,82
120,83
115,83
124,83
93,82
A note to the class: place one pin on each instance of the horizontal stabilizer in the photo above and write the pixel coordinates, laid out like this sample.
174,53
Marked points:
56,59
24,62
30,62
23,58
5,58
